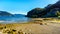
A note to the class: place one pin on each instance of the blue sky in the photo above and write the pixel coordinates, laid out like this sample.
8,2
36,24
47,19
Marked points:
23,6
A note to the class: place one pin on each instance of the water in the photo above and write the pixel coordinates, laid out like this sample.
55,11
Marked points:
18,19
15,19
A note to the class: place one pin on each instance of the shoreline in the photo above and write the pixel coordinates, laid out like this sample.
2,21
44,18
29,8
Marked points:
36,26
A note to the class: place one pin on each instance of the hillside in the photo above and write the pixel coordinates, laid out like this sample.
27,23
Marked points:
52,10
4,13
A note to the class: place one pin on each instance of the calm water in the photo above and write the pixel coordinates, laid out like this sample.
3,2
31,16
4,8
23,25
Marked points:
16,19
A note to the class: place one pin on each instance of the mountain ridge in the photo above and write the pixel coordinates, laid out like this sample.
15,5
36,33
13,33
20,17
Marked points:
52,10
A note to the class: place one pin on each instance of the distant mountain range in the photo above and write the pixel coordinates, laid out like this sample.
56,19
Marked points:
19,15
52,10
4,13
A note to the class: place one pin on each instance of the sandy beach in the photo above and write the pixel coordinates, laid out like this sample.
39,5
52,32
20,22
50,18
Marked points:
31,28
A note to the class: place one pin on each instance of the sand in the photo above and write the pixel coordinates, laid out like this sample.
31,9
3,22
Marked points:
31,28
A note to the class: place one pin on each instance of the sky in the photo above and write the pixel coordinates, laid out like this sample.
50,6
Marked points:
23,6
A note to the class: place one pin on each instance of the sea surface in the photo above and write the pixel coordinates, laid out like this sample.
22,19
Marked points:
14,19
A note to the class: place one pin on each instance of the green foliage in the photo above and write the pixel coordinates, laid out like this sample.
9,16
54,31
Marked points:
58,13
34,16
46,12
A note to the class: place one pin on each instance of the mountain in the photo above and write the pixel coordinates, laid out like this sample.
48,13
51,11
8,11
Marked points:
4,13
52,10
7,14
35,12
18,15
